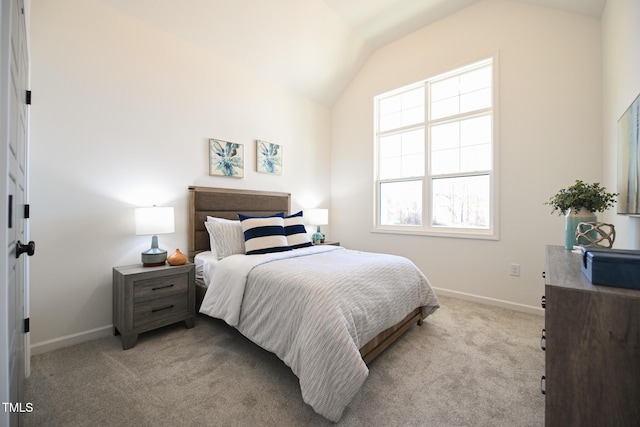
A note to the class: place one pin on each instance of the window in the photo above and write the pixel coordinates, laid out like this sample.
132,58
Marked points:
435,155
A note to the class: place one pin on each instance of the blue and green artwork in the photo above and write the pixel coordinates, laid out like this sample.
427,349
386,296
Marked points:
226,158
269,158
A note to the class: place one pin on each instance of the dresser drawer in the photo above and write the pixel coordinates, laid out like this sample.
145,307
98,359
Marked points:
159,287
160,311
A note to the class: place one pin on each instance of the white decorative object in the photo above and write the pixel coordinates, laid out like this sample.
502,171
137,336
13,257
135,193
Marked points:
597,234
572,219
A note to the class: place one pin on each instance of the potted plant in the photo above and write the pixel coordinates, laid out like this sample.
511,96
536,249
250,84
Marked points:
579,203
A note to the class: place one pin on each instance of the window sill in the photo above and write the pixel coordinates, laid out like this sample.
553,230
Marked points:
484,235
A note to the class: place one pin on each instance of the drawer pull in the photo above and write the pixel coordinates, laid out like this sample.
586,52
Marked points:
543,385
166,307
543,340
162,287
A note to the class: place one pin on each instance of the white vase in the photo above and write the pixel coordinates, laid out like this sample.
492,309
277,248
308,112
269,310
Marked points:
572,219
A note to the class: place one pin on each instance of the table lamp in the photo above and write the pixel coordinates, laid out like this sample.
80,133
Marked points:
317,217
153,221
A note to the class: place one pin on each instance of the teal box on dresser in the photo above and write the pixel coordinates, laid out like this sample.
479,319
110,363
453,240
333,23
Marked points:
612,267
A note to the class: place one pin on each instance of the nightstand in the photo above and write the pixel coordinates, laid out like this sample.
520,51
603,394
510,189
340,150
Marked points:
146,298
329,243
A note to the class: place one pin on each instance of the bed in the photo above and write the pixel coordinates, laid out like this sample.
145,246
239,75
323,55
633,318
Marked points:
329,331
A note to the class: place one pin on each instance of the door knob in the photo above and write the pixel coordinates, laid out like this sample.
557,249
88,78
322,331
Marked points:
29,248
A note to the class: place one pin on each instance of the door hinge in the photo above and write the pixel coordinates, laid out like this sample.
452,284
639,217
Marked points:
10,212
26,325
28,97
26,211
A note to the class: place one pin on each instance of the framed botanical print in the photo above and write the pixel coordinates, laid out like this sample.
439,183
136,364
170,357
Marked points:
268,157
226,158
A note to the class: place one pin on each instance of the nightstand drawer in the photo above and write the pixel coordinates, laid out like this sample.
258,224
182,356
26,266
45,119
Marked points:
160,311
150,289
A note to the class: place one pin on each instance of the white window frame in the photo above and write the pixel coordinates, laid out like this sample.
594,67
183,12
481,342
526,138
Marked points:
492,232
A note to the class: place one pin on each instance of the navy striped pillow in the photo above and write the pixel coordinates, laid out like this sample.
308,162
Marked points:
297,236
263,235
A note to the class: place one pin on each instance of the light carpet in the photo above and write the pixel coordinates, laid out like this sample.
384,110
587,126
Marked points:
468,365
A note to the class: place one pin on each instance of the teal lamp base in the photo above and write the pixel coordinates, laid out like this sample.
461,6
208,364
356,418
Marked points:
317,237
154,256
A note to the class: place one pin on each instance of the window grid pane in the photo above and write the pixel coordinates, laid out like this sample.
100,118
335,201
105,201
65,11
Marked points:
404,109
461,202
461,146
401,203
401,155
463,93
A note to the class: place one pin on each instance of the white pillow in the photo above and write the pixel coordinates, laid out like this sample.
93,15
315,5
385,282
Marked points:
225,237
215,218
264,235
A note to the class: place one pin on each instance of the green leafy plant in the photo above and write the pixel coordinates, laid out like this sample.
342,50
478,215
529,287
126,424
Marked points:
579,196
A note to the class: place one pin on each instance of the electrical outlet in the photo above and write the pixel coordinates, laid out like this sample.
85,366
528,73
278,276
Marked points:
515,269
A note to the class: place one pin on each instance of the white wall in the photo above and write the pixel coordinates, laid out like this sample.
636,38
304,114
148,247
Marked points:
121,116
549,135
621,85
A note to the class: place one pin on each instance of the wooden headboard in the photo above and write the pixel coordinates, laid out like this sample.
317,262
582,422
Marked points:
227,203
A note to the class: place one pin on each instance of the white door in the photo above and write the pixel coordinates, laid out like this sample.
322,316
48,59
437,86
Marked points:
13,143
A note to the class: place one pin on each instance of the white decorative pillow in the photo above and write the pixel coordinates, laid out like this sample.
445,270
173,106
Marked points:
225,237
264,235
215,218
212,242
296,232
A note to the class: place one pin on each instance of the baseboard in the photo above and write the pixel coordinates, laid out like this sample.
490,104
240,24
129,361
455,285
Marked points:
491,301
56,343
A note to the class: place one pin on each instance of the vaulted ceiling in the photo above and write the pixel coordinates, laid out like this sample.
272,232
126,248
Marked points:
312,47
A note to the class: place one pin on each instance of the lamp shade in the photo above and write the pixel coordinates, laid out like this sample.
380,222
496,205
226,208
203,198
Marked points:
317,216
154,220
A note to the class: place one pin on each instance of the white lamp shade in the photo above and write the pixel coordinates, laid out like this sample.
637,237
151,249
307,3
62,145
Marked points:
154,220
317,216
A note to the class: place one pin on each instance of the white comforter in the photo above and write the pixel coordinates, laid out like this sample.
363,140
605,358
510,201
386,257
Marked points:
315,308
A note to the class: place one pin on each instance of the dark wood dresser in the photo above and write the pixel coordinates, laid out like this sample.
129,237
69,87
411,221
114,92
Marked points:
592,341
